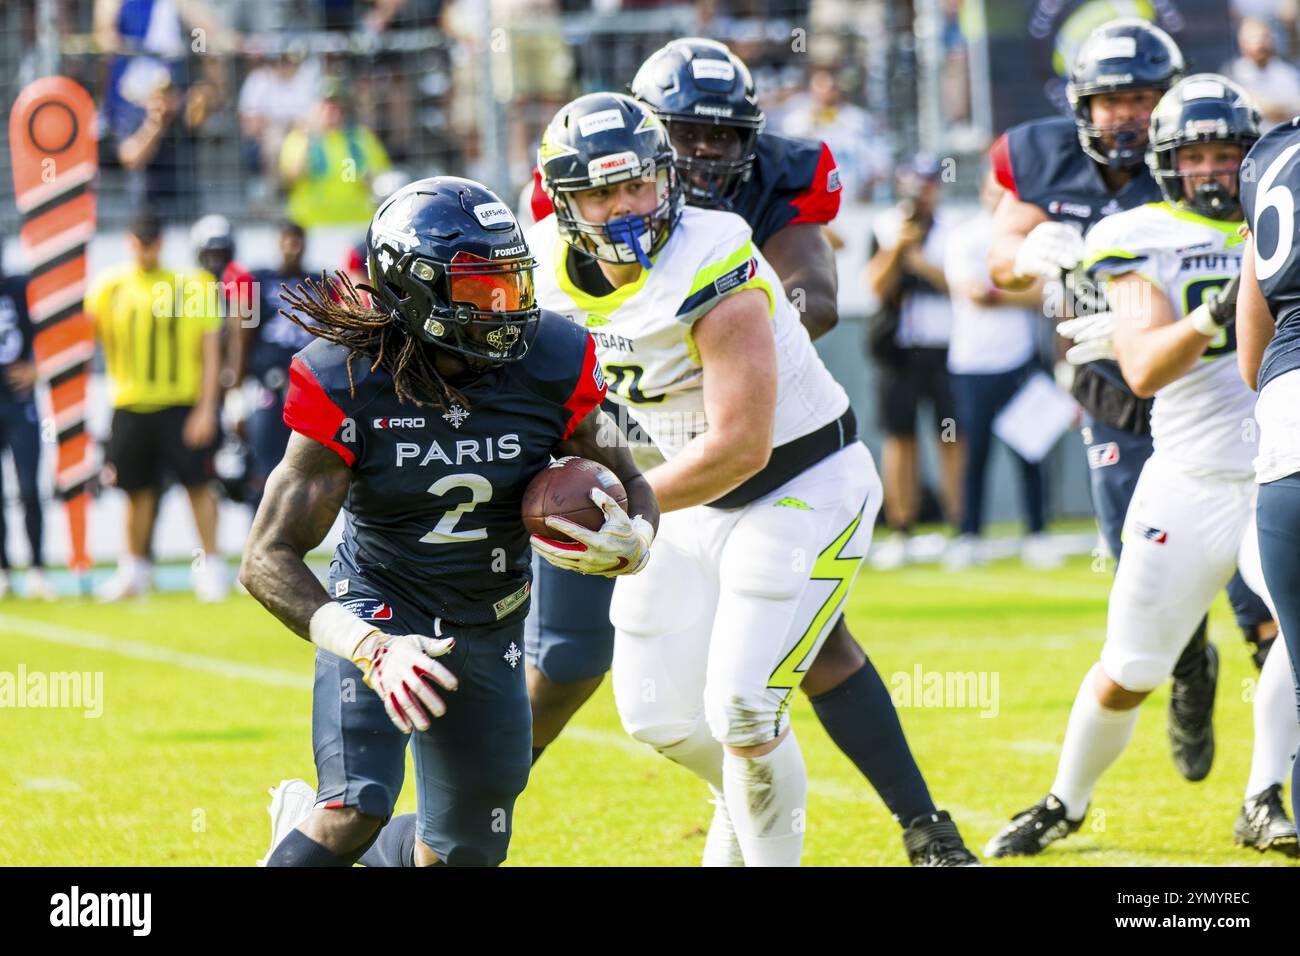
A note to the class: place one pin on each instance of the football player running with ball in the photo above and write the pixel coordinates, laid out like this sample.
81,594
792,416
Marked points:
1171,273
424,417
785,189
768,496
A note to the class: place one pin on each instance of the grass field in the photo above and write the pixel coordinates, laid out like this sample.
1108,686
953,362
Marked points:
205,707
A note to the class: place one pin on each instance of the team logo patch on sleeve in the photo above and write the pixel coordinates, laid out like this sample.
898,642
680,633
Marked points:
736,277
598,375
369,609
833,180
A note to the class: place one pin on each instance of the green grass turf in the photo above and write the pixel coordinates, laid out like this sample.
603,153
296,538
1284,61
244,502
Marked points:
175,771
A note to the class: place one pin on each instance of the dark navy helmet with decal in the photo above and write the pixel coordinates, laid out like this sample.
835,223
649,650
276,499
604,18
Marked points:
1124,54
447,258
1204,108
602,139
700,81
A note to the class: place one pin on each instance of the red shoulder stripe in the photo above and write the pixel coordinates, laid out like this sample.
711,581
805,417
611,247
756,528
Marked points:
589,390
820,202
1000,160
541,203
310,411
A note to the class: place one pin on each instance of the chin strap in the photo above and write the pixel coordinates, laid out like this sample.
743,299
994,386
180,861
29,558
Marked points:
629,230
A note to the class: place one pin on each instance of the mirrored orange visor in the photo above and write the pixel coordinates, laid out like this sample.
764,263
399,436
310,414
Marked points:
487,286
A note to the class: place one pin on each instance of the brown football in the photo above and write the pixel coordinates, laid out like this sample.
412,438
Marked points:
564,489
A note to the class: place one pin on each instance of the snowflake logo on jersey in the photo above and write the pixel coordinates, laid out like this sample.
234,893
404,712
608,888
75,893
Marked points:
456,415
512,655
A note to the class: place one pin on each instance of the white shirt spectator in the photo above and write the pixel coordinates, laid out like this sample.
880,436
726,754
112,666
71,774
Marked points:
925,320
1277,82
853,135
986,339
281,102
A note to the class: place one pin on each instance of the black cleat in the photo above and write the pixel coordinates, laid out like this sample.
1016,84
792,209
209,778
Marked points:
1030,831
1263,824
1191,717
933,840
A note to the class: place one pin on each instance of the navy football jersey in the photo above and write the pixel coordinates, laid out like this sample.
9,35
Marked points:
792,181
1041,162
16,332
1273,165
277,337
432,516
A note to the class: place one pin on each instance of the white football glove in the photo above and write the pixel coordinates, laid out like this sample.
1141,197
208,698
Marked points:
397,667
621,546
1092,337
1049,249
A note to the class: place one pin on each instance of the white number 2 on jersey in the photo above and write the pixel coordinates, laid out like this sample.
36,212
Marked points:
444,532
1277,197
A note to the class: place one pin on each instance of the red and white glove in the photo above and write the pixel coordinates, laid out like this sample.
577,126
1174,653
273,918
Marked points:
621,546
1050,249
397,667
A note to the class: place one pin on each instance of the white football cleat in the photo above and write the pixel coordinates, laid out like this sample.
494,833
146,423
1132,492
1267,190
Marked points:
891,553
39,587
291,803
1038,551
211,583
962,553
132,578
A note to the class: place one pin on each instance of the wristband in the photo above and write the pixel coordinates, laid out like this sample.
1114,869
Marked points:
1203,322
333,629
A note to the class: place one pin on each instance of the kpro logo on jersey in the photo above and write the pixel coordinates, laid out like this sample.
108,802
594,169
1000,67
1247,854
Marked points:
391,423
369,609
1100,456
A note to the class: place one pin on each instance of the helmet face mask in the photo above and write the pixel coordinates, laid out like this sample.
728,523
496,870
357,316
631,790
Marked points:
447,259
1202,109
603,140
711,182
695,82
1119,145
622,239
1127,54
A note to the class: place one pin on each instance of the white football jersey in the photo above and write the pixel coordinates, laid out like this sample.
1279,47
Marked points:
643,330
1203,420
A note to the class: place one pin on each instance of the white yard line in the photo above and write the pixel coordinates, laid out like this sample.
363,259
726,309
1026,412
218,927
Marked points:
109,644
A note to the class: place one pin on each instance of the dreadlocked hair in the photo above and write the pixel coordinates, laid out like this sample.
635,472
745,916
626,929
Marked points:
336,312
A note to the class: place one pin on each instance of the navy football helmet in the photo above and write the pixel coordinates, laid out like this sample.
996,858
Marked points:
1124,54
214,243
1204,108
599,140
700,81
447,258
